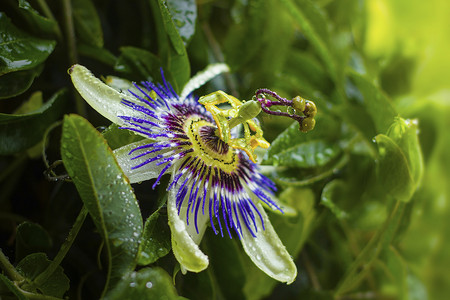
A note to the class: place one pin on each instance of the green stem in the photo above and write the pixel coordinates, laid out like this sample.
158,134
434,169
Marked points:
64,248
35,296
9,268
72,50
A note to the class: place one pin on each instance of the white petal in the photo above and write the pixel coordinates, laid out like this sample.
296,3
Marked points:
267,251
185,239
146,172
202,77
103,98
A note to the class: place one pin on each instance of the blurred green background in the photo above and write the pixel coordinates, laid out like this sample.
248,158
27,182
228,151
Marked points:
362,62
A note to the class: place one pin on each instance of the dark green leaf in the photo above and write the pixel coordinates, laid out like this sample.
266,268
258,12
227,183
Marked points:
106,193
31,238
138,63
155,241
19,50
170,46
15,83
87,23
36,263
148,283
36,22
227,269
184,16
97,53
11,287
15,132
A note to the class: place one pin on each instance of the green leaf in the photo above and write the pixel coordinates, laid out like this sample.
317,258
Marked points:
313,24
15,83
117,137
31,238
400,164
36,22
227,270
155,241
293,231
148,283
405,134
138,63
184,16
19,50
170,46
100,54
311,154
105,192
87,23
36,263
11,287
314,149
327,129
15,132
375,102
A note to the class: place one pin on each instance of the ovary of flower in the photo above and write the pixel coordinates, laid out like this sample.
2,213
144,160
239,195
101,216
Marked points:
239,113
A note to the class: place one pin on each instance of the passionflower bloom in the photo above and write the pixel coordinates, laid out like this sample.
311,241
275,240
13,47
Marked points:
214,180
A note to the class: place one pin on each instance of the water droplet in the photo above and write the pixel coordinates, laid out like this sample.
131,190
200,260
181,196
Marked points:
132,284
258,257
149,285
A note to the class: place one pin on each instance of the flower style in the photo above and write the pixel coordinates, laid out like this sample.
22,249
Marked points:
212,181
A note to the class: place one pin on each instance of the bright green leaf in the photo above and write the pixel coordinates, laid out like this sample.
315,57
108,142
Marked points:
15,132
375,102
184,16
405,135
106,193
393,171
148,283
87,23
33,265
19,50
